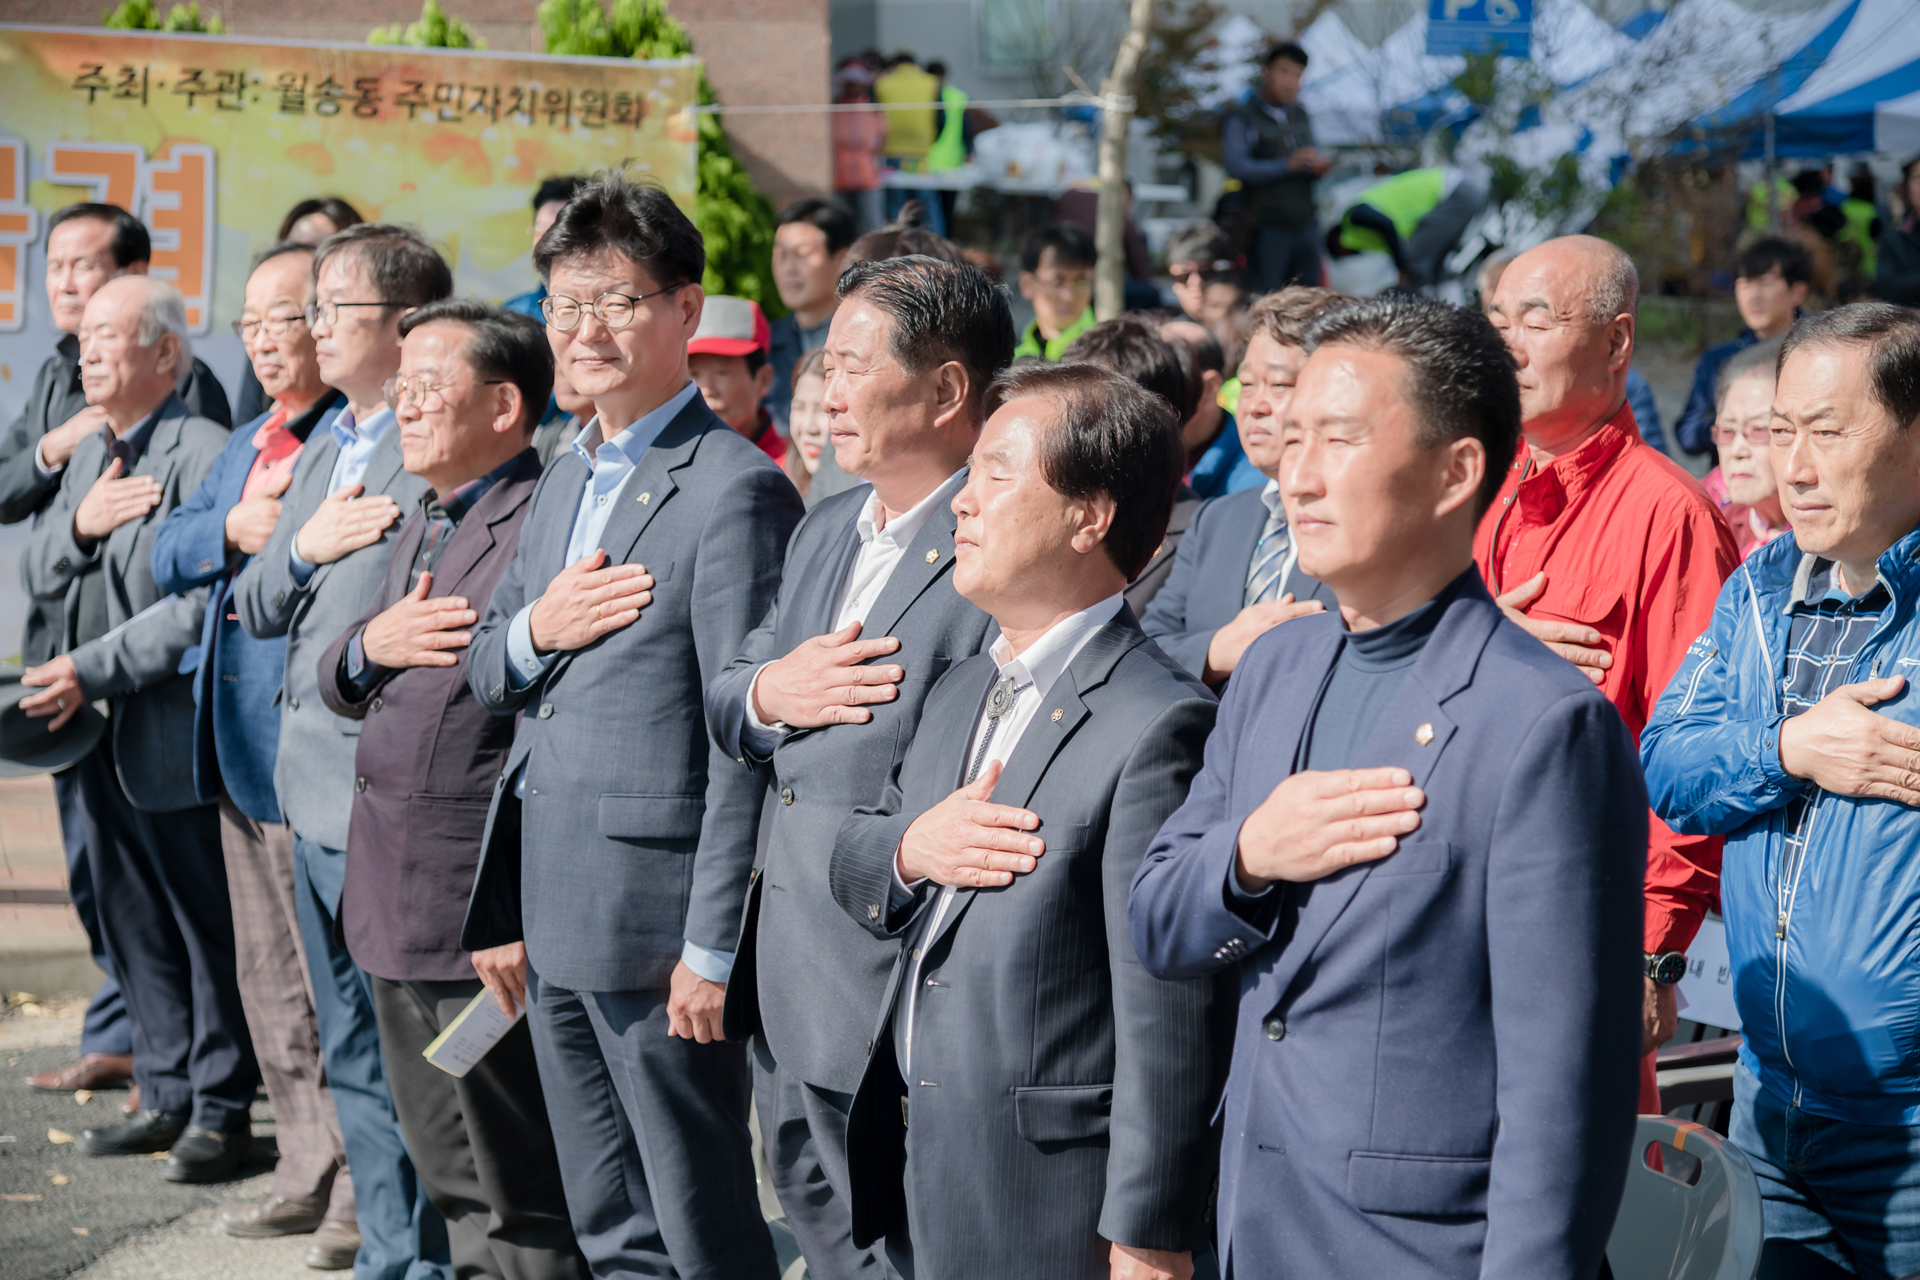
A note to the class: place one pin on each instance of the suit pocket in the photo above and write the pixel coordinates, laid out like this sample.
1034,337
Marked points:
651,817
1062,1113
1418,858
1428,1186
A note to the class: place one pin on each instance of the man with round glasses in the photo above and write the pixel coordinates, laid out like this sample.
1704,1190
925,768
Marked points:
315,576
620,841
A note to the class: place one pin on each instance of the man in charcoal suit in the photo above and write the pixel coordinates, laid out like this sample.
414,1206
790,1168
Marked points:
1035,1103
620,840
829,688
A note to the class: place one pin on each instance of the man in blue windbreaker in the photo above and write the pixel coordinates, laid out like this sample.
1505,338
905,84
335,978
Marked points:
1791,729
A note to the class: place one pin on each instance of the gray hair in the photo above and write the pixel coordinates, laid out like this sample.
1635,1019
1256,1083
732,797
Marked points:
164,311
1761,357
1616,287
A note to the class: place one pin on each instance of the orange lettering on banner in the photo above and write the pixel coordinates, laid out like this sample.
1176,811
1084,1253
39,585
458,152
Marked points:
111,170
180,212
19,227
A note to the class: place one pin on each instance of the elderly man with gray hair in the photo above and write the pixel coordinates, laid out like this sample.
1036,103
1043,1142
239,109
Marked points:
153,850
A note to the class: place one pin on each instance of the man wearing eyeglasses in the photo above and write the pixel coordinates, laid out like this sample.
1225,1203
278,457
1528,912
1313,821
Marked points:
620,840
315,575
206,542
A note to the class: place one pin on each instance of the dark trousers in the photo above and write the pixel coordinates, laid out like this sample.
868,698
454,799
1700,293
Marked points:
1286,255
652,1135
161,894
479,1142
401,1235
1440,231
805,1131
105,1029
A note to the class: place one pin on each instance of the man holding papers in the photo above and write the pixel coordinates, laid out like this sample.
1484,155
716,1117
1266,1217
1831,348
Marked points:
472,383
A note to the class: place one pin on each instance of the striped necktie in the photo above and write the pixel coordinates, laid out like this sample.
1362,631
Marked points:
1269,560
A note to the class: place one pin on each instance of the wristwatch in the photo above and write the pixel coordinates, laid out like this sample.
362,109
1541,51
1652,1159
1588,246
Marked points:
1666,968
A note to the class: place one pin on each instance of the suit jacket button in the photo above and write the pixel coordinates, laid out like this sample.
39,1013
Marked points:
546,711
60,565
375,705
496,691
293,704
1276,1029
359,784
280,600
786,795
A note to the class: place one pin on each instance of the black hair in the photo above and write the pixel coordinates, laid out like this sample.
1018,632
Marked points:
557,189
130,242
335,210
500,344
278,249
834,219
936,68
1132,346
1112,436
1287,49
1460,378
1201,355
1071,246
401,266
941,311
1891,335
1762,256
637,220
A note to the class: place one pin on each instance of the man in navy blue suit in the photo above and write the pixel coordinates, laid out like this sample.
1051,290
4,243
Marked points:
1420,835
205,542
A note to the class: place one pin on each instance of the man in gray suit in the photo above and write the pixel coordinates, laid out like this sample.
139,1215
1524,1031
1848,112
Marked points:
620,839
1036,1104
832,712
1236,573
312,580
152,849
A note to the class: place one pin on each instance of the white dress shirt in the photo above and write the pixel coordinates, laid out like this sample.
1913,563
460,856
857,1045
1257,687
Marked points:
1043,663
883,545
357,441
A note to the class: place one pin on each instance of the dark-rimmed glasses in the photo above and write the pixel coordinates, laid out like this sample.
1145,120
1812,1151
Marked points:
612,308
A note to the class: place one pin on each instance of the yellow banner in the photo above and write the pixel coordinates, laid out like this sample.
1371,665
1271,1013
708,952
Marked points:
210,139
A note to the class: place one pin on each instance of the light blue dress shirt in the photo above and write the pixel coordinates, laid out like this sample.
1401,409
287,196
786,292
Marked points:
357,442
610,466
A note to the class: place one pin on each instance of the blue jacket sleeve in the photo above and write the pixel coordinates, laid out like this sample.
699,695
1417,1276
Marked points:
1240,163
1694,430
1711,756
190,546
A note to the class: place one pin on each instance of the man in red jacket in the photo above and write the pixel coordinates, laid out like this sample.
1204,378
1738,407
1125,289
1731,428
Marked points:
1604,549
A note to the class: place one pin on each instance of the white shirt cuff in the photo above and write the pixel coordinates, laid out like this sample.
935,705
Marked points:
40,463
302,571
714,966
760,735
902,892
524,666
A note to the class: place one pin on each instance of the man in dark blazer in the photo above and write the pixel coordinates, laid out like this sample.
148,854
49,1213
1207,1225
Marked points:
1236,573
472,384
1035,1103
152,846
621,839
205,542
87,245
322,565
828,690
1418,843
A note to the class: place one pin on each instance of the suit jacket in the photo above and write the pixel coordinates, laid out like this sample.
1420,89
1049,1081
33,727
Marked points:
1060,1092
1436,1064
314,773
236,678
137,664
1148,582
56,396
806,978
428,757
638,832
1209,578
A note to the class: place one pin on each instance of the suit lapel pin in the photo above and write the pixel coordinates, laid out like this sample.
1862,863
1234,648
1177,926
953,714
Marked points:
644,499
1057,713
1423,735
932,556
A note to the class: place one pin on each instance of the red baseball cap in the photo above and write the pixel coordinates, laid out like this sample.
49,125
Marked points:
730,327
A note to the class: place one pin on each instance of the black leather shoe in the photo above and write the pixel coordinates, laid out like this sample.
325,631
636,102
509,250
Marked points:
145,1132
208,1155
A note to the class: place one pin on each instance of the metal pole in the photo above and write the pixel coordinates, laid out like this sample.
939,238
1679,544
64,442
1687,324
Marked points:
1773,195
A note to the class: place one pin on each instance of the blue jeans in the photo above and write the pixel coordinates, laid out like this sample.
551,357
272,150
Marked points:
402,1236
1839,1199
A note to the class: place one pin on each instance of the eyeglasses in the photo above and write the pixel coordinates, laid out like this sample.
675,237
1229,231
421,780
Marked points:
414,391
272,326
328,313
1065,285
1185,272
614,310
1758,437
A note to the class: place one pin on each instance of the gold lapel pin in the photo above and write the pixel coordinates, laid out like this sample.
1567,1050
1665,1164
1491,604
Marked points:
644,499
932,556
1057,713
1423,735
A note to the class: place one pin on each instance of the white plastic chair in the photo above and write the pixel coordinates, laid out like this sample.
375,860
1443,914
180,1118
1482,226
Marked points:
1691,1210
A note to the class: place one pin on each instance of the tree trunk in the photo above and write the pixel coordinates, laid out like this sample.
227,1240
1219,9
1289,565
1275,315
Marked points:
1110,277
